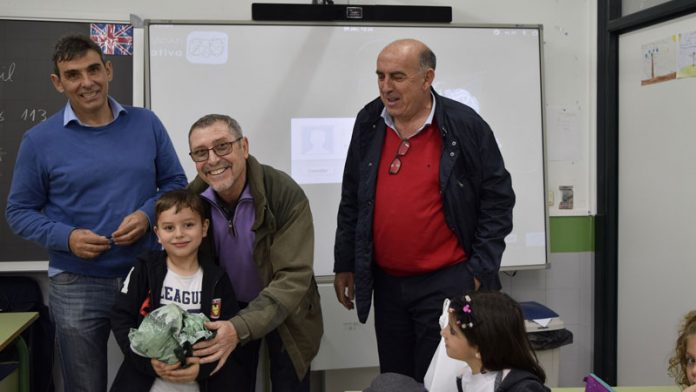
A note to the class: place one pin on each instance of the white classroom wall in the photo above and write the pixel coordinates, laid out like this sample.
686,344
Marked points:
570,87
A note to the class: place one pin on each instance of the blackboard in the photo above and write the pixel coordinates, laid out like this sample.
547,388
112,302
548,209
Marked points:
295,89
27,97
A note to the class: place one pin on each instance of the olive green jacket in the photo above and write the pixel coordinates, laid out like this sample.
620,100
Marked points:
284,254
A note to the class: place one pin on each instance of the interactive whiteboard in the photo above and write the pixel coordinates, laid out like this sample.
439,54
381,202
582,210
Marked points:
296,88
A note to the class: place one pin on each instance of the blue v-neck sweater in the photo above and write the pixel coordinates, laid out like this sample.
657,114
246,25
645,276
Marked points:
70,176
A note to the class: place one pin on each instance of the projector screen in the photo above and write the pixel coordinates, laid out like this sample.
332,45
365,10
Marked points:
296,89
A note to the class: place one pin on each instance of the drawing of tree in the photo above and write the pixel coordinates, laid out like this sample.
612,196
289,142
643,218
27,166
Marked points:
651,54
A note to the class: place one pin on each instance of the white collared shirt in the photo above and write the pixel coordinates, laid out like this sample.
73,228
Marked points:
389,121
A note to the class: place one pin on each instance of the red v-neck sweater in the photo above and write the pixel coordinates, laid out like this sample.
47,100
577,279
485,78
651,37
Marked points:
410,234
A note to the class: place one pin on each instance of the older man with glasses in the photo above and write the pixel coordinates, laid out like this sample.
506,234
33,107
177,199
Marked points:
425,207
262,233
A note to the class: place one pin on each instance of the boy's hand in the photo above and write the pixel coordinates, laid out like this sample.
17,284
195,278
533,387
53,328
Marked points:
162,368
187,374
175,373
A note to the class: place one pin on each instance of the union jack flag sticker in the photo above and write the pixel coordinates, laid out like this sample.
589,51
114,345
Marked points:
114,39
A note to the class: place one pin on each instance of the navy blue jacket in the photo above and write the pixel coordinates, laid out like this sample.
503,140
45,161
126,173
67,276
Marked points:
476,193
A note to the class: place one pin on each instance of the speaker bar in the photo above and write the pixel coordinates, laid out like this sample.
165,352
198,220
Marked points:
352,12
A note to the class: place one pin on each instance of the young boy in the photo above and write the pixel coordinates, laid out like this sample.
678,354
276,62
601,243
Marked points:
174,275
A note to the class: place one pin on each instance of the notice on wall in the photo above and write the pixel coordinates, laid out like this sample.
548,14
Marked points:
659,61
686,55
566,202
564,139
669,58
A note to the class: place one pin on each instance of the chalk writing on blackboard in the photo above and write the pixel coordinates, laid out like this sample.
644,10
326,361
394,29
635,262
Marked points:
6,72
33,115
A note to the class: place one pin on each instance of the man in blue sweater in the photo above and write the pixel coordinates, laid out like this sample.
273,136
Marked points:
84,186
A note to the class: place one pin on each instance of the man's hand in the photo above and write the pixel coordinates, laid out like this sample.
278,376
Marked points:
220,347
131,229
477,284
344,284
86,244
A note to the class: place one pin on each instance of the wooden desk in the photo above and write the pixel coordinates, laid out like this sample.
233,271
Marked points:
12,324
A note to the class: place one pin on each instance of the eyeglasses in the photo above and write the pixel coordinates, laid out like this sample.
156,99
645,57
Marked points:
220,149
395,164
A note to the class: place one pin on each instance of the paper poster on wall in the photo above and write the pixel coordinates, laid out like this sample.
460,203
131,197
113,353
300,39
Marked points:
659,61
564,139
686,55
566,202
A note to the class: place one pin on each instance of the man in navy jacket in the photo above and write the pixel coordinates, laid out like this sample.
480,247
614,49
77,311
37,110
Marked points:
425,207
